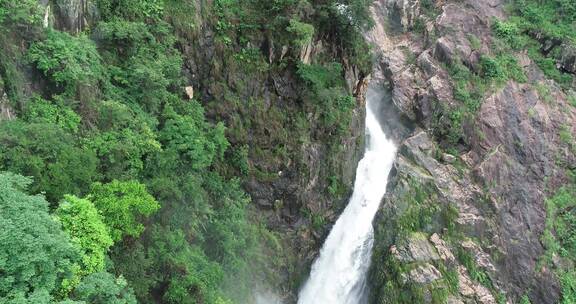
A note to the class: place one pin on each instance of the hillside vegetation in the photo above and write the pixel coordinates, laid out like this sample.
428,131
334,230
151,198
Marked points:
132,191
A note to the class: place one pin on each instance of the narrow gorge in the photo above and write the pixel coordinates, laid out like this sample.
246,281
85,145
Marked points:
340,272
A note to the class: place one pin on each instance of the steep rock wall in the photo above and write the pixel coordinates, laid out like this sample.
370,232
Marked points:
482,205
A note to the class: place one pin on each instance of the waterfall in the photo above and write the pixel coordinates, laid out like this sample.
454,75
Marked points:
338,275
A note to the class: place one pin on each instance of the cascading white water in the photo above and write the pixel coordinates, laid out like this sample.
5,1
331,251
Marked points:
338,276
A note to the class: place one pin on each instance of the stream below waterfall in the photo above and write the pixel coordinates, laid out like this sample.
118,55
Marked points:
338,276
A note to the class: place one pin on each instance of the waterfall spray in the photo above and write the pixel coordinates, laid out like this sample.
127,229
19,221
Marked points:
338,276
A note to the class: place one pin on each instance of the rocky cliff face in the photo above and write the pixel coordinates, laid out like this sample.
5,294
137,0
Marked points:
481,202
291,169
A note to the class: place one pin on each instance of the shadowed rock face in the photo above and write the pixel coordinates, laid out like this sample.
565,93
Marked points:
72,16
6,111
498,181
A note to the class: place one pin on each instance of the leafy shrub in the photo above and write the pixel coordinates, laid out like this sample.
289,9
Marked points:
124,141
525,300
39,110
302,32
535,24
251,60
326,89
491,68
67,60
87,231
548,66
568,281
147,66
47,153
477,274
511,68
191,137
89,235
35,255
104,288
19,13
123,205
240,159
184,272
319,76
508,31
135,10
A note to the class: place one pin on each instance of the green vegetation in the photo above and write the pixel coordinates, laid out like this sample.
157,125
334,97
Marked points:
67,60
50,155
525,300
560,236
420,214
303,32
330,99
140,189
88,233
475,272
572,99
28,228
104,288
57,113
122,204
470,88
14,13
543,28
567,138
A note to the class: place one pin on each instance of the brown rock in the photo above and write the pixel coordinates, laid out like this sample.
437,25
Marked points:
424,274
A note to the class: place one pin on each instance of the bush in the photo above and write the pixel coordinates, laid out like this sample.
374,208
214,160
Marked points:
19,13
67,60
192,138
135,10
104,288
35,256
125,140
124,205
539,23
568,281
511,68
47,153
508,31
302,32
146,68
89,235
320,77
39,110
325,88
490,68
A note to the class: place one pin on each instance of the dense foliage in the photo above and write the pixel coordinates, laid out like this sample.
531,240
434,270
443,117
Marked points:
36,255
88,233
133,189
544,28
